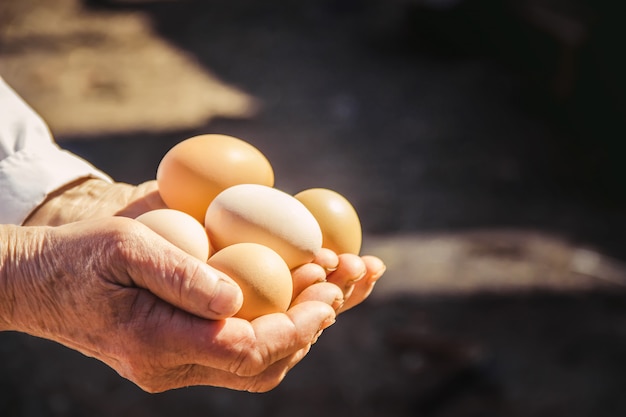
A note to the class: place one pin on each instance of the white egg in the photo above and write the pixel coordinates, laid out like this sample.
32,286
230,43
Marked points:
267,216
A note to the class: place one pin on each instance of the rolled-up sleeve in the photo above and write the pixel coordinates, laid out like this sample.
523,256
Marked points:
32,165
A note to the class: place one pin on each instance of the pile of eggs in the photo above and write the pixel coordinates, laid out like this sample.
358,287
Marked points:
223,208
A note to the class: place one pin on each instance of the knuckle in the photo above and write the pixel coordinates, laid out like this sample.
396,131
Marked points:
153,386
120,235
266,385
250,360
185,278
137,374
268,380
149,377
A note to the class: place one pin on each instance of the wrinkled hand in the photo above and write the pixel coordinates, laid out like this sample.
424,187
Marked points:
154,314
114,290
94,198
91,198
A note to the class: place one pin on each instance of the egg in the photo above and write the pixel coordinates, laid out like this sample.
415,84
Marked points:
267,216
338,219
180,229
263,276
197,169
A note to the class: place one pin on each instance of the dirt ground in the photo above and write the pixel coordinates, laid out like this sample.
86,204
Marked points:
479,141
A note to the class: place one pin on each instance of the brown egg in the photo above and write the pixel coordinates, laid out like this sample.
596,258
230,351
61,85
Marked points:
264,215
180,229
339,221
262,274
197,169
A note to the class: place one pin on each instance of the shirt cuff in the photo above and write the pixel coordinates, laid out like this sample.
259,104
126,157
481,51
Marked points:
29,175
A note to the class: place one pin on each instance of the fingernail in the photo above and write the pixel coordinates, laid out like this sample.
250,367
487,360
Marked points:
348,290
335,302
325,325
360,277
338,303
379,274
327,260
317,336
328,322
227,300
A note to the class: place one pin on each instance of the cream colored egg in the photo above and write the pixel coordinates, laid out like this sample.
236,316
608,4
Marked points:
195,170
264,215
262,274
339,221
180,229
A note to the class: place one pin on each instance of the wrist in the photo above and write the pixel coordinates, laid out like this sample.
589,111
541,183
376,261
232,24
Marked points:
20,263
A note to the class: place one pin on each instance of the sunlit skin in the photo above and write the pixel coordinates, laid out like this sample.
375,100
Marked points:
109,287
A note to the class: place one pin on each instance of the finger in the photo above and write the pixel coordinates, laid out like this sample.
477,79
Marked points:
180,279
274,375
301,324
363,288
306,275
375,266
325,292
350,270
159,346
327,259
180,349
197,288
235,345
196,375
141,199
169,338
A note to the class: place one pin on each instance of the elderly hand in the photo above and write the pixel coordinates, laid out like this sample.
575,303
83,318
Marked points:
156,315
90,198
114,290
94,198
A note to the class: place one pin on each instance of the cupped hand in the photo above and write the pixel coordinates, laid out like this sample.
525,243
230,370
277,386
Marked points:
354,275
95,198
114,290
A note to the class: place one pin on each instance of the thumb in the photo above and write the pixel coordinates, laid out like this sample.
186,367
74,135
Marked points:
188,283
205,291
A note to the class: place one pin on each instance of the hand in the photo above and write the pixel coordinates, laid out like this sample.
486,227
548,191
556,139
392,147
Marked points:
94,198
354,275
91,198
114,290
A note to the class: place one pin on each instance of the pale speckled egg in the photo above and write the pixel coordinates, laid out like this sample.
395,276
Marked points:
180,229
264,278
265,215
337,217
197,169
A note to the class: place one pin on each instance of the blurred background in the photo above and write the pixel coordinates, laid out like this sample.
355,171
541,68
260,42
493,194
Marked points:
481,142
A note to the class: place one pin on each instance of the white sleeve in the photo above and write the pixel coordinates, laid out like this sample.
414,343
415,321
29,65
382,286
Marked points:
31,163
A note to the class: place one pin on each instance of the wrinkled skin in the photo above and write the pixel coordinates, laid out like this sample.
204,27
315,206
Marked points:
112,289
